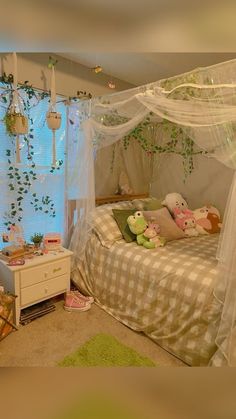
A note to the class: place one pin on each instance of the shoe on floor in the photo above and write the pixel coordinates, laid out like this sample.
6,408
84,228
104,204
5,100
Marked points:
74,303
83,297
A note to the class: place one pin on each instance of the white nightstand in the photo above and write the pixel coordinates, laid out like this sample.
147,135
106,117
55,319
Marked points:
38,279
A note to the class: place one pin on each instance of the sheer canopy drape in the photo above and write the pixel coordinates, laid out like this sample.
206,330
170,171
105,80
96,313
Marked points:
203,102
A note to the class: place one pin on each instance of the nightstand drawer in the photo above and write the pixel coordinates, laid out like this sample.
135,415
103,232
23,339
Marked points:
44,272
44,290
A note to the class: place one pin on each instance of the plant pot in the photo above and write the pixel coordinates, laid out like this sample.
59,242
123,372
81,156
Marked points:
54,120
16,123
37,245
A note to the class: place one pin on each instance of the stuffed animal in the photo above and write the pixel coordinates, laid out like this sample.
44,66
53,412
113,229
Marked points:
174,200
138,225
124,186
186,221
200,215
207,220
152,233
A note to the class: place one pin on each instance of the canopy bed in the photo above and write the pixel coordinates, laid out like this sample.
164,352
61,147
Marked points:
183,295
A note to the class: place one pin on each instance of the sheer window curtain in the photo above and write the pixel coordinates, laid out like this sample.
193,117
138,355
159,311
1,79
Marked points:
204,103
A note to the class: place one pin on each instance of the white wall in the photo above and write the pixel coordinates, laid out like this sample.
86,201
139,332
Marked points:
70,76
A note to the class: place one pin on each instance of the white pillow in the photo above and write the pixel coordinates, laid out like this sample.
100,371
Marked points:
105,225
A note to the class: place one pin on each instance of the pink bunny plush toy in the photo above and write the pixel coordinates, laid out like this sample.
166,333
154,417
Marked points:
186,221
152,233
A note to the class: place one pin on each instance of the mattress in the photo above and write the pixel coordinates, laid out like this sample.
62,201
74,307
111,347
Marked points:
166,293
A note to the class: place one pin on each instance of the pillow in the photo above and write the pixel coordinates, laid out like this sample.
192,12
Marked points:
169,229
153,204
121,216
104,224
147,204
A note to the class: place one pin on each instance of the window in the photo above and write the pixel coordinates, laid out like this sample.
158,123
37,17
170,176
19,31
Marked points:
41,206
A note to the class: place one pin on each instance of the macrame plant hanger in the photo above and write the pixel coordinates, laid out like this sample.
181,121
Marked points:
17,121
53,117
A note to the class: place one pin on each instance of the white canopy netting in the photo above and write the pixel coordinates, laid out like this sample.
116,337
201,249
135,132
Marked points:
201,105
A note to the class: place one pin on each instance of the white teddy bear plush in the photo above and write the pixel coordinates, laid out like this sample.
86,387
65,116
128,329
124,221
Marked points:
174,200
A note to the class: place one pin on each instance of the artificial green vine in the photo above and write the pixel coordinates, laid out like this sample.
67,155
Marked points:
171,83
6,78
184,86
22,181
82,94
113,119
178,142
58,167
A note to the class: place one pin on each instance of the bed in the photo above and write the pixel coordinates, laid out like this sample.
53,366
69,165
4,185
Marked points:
165,293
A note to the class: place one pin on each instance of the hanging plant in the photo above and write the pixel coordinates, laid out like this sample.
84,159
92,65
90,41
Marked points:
15,121
53,117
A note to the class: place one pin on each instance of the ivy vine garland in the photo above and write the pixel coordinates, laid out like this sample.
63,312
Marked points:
177,139
178,142
22,180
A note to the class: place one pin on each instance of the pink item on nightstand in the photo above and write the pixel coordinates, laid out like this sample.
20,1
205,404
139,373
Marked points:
16,262
52,241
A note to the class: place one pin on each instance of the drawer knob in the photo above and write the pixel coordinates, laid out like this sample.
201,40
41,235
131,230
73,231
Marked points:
45,274
56,270
46,290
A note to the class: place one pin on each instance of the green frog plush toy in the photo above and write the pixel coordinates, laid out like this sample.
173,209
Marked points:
138,225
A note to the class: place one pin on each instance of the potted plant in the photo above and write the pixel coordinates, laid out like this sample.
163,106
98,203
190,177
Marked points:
37,239
16,123
15,120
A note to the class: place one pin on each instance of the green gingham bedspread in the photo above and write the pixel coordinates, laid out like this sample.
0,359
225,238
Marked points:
166,293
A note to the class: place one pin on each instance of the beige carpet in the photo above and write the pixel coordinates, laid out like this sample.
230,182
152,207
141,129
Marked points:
49,339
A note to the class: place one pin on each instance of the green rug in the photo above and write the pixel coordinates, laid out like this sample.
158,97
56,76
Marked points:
105,351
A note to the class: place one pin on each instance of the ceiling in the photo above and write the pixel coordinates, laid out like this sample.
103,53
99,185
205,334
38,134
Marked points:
122,25
143,68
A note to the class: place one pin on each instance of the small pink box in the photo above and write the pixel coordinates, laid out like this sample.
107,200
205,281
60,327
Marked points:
52,241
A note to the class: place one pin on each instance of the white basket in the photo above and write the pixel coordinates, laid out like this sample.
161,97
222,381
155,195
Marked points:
54,120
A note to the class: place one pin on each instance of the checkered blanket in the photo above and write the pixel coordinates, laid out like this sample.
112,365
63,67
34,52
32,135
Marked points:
166,293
